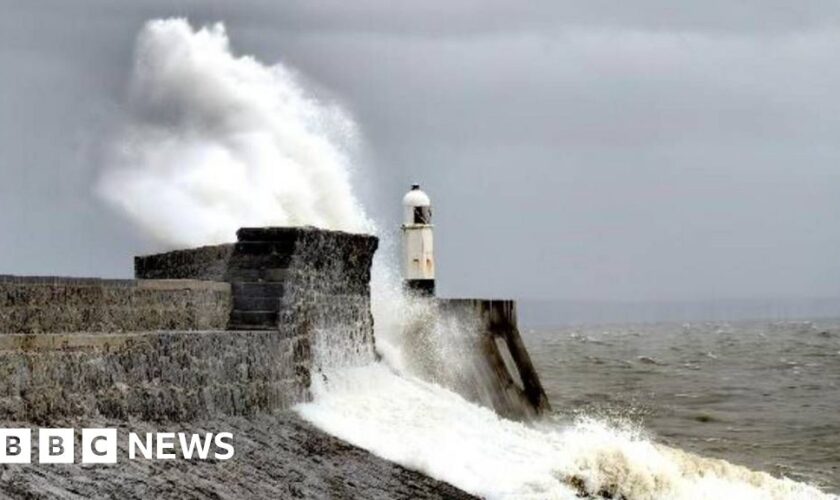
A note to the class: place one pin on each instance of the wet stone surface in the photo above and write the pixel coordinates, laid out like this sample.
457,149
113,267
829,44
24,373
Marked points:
38,304
276,456
157,376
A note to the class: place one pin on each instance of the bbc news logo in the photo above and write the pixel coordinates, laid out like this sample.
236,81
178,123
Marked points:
100,446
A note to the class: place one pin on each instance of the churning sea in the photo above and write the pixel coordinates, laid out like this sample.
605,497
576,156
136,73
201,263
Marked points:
756,393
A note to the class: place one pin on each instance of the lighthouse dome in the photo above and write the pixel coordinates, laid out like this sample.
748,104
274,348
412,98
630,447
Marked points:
417,208
416,197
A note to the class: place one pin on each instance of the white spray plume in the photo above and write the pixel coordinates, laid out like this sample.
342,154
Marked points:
215,142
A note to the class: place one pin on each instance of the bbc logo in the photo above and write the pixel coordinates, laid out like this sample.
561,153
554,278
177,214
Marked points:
99,446
57,446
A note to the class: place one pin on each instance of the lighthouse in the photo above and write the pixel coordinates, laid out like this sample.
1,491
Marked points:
417,243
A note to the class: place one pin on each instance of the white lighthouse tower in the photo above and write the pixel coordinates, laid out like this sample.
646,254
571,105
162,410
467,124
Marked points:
417,242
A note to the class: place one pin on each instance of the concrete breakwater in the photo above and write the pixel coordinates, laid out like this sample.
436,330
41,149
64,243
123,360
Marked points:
222,334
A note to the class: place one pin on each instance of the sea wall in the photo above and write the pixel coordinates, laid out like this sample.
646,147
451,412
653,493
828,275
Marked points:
220,338
284,278
224,330
233,329
306,283
154,376
35,304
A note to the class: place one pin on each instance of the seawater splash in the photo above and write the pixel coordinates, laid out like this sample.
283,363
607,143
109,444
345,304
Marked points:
408,408
414,337
431,429
446,344
215,142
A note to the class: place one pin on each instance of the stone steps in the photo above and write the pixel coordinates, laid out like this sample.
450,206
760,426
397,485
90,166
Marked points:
257,289
253,320
255,305
264,274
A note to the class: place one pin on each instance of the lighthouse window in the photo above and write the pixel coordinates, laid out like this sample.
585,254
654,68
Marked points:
422,215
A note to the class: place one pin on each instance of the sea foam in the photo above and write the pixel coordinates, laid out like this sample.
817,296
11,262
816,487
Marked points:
426,427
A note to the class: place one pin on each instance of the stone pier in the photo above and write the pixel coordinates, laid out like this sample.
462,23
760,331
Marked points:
222,338
218,330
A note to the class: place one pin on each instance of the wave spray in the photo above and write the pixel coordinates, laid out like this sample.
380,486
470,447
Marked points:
214,142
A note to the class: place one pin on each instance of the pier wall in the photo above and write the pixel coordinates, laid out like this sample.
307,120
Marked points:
221,330
156,376
293,274
233,329
500,373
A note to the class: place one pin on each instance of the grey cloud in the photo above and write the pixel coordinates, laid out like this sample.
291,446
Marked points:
584,150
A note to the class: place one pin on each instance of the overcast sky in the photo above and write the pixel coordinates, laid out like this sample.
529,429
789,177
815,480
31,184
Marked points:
645,150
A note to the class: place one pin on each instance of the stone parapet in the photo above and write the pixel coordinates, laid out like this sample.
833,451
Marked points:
42,304
203,263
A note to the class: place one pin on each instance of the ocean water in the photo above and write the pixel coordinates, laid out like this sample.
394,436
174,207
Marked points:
761,394
600,441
